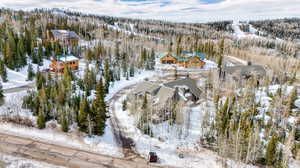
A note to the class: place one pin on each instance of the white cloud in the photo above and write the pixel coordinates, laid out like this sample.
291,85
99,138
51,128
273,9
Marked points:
172,10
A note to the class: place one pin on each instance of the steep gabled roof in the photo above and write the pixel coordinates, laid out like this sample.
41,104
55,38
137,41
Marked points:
188,55
187,82
146,86
164,94
246,70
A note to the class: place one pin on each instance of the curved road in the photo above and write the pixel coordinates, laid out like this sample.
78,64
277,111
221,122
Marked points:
66,156
20,88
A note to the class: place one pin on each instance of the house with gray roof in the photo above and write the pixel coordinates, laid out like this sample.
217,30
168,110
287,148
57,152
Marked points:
188,85
146,87
163,97
243,72
185,89
66,37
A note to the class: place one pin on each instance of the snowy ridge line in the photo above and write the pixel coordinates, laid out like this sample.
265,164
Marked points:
117,28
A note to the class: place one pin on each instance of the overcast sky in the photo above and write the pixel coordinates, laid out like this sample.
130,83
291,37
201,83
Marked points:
172,10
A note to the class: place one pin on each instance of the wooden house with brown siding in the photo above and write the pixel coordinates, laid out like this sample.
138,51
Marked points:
168,59
59,63
64,37
187,60
194,62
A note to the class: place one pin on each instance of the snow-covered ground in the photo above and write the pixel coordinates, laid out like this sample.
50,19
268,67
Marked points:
171,141
237,31
18,162
252,29
116,27
105,144
19,78
240,34
119,85
297,103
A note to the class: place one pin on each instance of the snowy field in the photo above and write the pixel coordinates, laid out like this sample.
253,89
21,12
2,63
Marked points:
19,78
17,162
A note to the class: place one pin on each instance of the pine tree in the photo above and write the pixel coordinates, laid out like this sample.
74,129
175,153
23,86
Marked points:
1,94
64,123
40,80
83,113
3,72
152,60
22,52
40,55
124,105
99,110
41,121
68,77
221,46
30,73
271,151
106,76
292,98
127,76
28,43
131,70
220,61
144,56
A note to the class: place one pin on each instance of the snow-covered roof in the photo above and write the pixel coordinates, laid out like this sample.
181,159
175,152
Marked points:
67,58
187,82
245,70
146,86
164,94
64,34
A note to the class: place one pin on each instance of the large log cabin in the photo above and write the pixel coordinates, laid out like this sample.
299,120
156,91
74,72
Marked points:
59,63
187,60
64,37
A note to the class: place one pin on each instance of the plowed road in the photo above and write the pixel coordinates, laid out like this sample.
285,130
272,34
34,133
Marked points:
63,156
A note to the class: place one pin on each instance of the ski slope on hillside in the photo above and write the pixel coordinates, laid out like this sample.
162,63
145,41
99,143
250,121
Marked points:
116,27
237,31
251,34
